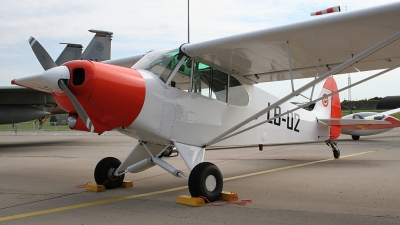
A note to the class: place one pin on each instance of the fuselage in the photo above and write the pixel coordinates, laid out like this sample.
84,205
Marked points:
373,128
191,118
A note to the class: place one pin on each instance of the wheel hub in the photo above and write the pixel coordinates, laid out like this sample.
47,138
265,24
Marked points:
110,174
211,183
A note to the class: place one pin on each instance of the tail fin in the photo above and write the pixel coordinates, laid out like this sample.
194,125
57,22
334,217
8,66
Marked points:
70,52
329,107
99,49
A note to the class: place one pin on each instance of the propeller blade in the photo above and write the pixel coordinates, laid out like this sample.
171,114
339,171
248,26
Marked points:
41,54
81,112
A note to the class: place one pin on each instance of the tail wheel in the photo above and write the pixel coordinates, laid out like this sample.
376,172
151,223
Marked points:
355,137
104,173
206,180
336,153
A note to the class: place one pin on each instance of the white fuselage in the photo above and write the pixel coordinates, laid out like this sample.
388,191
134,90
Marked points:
366,132
170,114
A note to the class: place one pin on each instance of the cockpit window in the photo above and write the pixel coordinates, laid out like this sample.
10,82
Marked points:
185,74
160,63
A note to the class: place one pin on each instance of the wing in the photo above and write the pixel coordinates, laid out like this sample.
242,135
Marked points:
391,112
19,104
312,46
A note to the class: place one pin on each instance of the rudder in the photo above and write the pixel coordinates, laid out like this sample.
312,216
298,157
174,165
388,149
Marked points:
330,107
99,48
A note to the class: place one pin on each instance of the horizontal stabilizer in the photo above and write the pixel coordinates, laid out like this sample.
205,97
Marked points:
347,122
101,32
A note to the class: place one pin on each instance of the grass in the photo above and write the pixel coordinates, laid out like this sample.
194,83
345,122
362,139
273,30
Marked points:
32,126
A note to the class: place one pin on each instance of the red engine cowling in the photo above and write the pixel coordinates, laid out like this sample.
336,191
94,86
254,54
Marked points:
112,96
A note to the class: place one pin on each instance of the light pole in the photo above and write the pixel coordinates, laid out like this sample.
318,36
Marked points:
188,25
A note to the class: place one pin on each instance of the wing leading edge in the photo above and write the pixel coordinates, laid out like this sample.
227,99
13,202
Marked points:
315,45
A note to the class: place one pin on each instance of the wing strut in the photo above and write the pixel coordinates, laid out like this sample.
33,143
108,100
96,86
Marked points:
290,64
316,74
309,103
337,69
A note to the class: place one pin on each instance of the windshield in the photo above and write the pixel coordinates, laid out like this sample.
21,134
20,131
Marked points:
160,63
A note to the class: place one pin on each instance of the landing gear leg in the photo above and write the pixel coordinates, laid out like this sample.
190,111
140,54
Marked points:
104,173
335,149
206,180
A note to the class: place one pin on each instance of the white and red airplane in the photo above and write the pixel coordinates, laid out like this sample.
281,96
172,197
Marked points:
357,130
199,95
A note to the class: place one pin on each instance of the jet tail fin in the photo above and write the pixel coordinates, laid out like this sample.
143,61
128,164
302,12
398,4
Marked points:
99,49
329,107
70,52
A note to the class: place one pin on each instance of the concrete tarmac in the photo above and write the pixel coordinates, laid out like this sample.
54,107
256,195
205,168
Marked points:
41,180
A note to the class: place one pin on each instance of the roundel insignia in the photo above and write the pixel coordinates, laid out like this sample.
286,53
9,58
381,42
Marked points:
325,101
99,46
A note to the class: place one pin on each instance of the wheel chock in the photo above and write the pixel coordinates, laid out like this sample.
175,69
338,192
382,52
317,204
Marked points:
190,201
228,196
101,188
95,188
127,184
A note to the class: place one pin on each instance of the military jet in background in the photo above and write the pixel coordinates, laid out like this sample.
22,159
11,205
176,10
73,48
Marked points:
18,104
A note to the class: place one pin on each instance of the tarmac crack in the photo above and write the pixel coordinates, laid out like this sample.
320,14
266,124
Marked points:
36,201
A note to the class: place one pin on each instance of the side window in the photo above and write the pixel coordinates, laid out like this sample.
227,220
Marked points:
209,82
181,79
237,93
213,83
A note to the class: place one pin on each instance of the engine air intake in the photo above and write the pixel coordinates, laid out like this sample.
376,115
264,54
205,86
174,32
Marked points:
78,76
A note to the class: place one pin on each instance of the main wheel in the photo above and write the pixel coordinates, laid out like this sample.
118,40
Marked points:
104,173
206,180
336,153
355,137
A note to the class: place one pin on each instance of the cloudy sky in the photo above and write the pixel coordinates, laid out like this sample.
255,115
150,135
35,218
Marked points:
140,26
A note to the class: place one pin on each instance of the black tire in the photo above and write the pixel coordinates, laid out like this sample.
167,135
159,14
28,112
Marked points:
103,173
336,153
355,137
206,180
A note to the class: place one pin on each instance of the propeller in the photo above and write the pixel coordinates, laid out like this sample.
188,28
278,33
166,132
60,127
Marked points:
79,109
55,79
41,54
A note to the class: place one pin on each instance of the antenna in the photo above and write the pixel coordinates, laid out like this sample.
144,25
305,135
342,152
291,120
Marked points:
349,91
188,24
